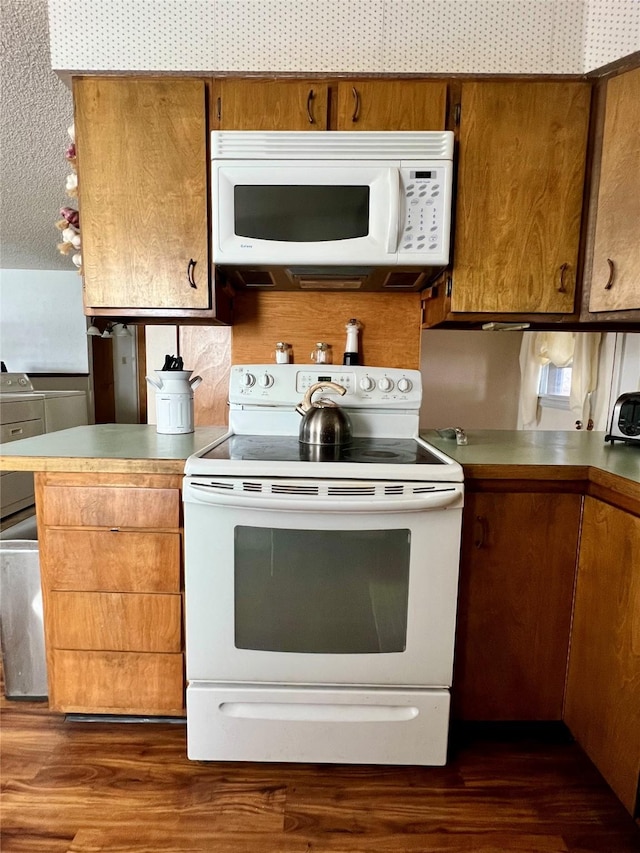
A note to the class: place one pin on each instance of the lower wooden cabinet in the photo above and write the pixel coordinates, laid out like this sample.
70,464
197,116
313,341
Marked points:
603,686
110,555
514,613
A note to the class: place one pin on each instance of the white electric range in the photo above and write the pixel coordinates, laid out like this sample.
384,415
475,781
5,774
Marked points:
321,583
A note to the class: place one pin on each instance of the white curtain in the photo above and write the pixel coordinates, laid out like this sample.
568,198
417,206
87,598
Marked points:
578,349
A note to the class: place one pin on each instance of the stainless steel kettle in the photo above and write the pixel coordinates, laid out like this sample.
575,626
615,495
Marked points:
323,421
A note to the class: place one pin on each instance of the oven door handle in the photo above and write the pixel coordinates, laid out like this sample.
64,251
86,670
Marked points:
444,497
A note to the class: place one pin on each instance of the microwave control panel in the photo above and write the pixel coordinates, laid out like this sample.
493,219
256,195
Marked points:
427,201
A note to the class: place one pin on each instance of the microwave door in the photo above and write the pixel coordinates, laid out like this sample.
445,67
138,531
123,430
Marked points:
301,213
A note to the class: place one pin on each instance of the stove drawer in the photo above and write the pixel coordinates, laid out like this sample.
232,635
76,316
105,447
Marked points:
239,723
21,429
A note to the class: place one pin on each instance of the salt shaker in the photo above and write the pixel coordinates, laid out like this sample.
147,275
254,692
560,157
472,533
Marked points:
283,353
322,353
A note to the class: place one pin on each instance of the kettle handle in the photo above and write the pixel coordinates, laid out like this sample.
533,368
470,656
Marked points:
157,383
305,405
195,381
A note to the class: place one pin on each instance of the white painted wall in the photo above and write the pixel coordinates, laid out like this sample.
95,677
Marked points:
125,378
470,379
42,324
160,341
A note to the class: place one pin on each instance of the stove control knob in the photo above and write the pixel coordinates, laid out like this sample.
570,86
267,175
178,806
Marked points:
367,383
265,381
247,380
404,385
385,384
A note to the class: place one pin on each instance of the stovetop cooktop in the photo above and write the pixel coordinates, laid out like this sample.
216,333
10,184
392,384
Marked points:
286,448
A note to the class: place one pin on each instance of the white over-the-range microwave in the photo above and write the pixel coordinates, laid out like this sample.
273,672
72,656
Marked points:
331,197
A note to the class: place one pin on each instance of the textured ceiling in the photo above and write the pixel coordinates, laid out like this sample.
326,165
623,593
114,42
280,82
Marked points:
36,109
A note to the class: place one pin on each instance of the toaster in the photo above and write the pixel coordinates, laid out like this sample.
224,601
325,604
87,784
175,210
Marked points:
625,419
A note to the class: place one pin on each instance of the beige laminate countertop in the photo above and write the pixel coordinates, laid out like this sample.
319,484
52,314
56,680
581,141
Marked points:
136,448
582,461
111,448
519,450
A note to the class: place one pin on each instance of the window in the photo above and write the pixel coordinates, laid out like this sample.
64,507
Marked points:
555,386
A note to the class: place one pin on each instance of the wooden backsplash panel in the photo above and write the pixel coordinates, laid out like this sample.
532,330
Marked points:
390,334
207,351
390,337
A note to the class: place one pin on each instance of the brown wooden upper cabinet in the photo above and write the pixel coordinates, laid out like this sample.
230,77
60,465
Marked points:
520,183
269,105
391,105
615,275
305,105
143,191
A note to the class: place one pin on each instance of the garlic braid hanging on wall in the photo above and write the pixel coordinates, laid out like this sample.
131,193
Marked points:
70,222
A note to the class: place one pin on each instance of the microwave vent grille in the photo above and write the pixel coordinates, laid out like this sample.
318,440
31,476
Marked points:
331,145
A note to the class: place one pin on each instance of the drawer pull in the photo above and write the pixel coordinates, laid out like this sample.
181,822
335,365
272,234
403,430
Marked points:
114,530
16,431
310,97
480,532
356,104
561,286
190,270
612,272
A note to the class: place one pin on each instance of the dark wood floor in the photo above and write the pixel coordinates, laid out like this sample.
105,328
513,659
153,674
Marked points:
79,787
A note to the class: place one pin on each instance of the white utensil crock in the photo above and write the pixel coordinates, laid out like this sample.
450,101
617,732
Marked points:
174,400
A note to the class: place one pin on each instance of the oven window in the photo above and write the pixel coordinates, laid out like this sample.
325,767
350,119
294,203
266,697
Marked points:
321,592
301,214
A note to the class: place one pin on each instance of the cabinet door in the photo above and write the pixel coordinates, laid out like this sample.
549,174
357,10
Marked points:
142,171
392,105
519,197
603,687
270,105
615,278
514,611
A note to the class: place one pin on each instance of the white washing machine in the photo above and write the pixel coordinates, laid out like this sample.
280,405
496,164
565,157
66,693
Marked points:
24,413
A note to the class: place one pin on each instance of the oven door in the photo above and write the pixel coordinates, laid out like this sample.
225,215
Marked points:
305,213
321,582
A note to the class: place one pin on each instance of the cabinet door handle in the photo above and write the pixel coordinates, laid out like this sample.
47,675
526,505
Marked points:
190,269
356,104
612,272
219,108
480,536
561,285
309,105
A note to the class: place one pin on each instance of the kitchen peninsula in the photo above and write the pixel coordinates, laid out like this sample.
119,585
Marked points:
549,583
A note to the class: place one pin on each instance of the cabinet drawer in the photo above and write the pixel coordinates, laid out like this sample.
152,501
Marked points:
113,621
104,506
107,560
116,682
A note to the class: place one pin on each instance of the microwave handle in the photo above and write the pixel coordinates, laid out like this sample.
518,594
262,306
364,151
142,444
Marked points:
394,210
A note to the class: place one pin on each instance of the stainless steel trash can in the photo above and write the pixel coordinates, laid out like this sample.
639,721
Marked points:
21,628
